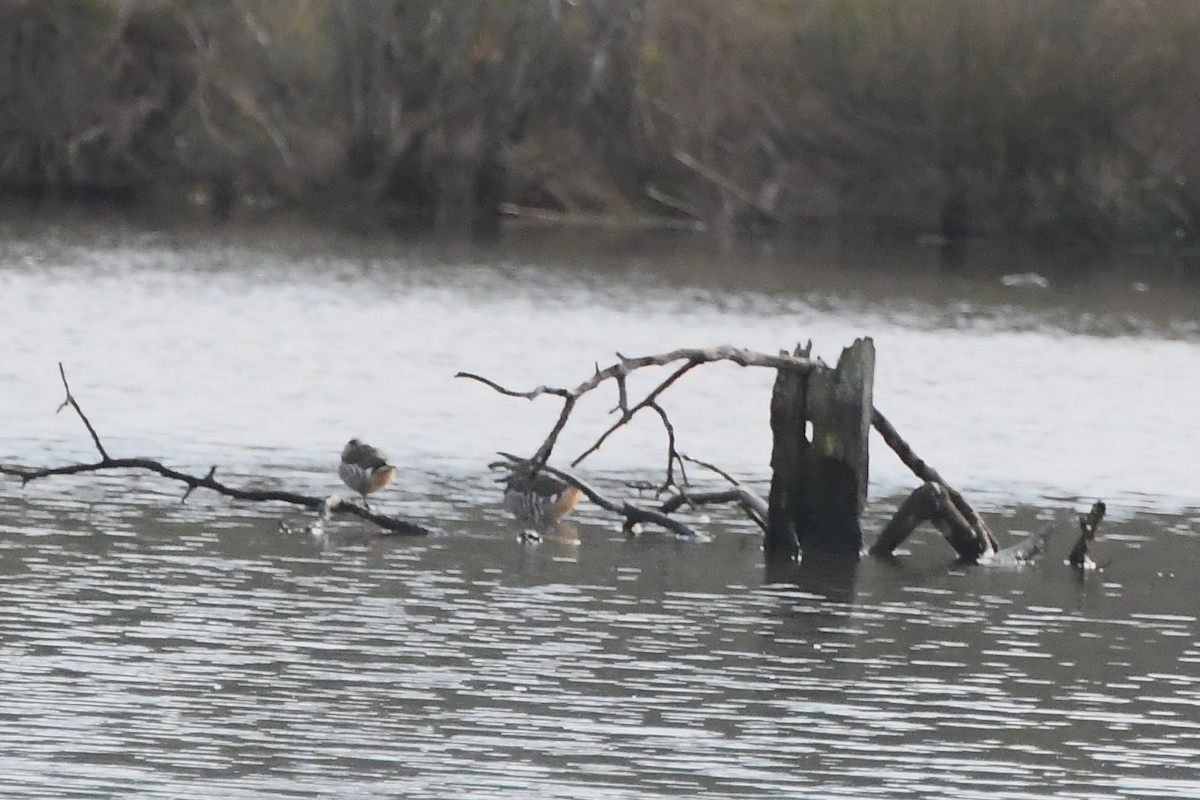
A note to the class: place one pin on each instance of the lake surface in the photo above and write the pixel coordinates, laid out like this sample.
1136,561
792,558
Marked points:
154,649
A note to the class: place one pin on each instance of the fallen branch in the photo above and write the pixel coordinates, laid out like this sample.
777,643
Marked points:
932,502
964,528
929,502
753,504
675,204
208,481
986,542
1088,525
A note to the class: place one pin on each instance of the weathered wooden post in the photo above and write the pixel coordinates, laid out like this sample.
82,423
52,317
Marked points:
820,421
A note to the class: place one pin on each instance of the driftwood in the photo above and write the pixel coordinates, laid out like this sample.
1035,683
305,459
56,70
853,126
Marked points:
973,540
727,186
752,504
325,506
980,540
1088,525
931,502
935,501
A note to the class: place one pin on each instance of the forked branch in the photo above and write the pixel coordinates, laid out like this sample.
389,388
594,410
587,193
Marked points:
619,371
70,401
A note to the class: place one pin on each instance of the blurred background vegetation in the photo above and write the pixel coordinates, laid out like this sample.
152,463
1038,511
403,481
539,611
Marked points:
1070,119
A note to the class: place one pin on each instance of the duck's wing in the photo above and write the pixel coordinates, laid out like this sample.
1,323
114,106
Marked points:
363,456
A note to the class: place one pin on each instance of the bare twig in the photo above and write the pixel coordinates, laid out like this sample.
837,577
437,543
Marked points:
649,401
530,395
711,468
70,401
622,395
701,355
543,453
752,503
672,455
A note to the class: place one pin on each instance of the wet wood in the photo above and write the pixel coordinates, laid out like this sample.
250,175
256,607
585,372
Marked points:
986,543
821,421
931,502
1088,524
789,445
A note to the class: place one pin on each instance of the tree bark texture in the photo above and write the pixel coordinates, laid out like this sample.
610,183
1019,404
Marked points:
821,421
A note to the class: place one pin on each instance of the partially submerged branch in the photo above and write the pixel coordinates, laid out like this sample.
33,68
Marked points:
964,527
752,503
618,372
208,481
930,502
935,501
1088,525
975,524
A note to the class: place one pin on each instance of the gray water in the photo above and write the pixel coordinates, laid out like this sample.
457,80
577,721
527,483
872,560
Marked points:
157,649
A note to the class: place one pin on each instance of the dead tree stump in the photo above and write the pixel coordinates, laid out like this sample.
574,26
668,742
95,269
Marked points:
820,421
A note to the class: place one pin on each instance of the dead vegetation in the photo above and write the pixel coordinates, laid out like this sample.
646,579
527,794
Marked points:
934,115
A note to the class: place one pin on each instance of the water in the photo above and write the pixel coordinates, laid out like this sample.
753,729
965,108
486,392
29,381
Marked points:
153,649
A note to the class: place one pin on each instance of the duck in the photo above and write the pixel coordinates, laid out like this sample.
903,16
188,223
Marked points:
364,469
540,500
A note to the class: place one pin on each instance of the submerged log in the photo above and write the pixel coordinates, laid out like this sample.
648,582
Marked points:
985,543
931,502
820,421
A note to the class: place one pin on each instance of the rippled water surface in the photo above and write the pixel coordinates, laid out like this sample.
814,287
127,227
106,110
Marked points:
157,649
